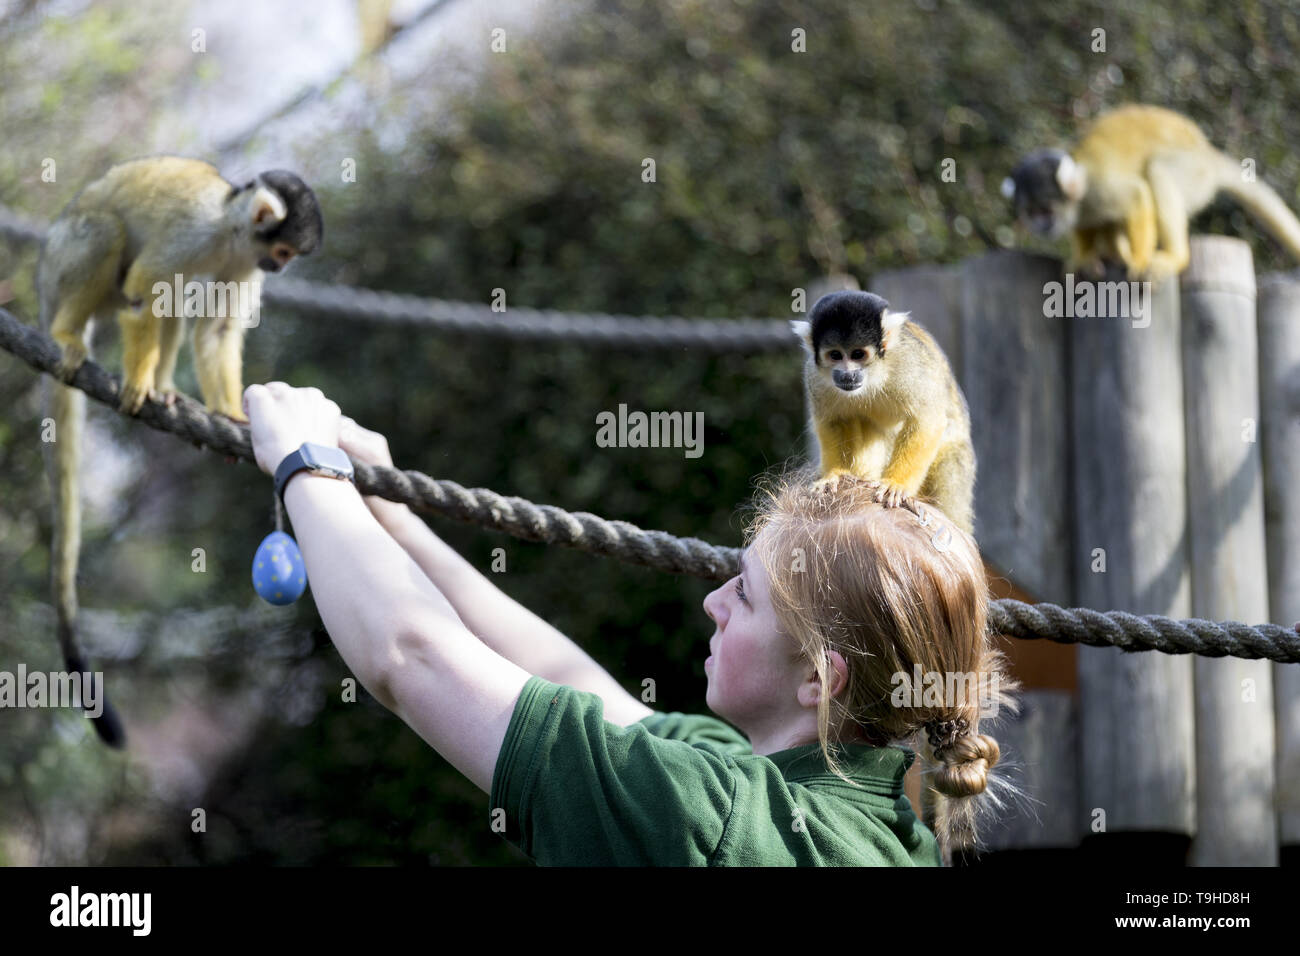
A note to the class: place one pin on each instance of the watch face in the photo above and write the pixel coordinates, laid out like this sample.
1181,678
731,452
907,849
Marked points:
323,456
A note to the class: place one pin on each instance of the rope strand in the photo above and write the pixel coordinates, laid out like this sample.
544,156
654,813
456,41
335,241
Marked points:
658,549
605,331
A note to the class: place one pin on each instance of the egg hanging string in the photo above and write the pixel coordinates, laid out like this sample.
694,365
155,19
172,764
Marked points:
279,574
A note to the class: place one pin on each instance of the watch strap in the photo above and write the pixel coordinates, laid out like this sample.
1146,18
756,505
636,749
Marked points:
292,464
317,459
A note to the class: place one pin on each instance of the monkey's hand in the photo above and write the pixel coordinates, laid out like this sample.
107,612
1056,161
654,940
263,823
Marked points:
73,357
164,395
889,494
1162,266
234,414
829,484
133,397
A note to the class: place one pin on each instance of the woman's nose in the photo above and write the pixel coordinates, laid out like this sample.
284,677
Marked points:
713,604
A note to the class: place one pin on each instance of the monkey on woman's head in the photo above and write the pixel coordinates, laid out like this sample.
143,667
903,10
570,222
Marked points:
883,404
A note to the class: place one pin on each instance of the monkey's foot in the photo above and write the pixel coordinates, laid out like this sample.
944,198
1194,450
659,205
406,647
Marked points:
235,414
889,494
133,398
164,394
73,357
828,485
1161,268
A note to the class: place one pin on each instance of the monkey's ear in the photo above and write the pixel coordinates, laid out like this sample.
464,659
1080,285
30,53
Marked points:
804,331
1008,188
889,321
1071,178
266,208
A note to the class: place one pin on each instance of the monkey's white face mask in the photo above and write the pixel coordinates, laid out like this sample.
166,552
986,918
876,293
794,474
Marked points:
1073,183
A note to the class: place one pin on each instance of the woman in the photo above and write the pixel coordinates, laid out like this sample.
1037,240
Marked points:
828,646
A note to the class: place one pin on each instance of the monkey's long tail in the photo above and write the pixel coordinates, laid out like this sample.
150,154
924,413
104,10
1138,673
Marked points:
1265,206
69,413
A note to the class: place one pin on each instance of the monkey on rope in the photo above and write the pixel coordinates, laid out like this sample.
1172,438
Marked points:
122,244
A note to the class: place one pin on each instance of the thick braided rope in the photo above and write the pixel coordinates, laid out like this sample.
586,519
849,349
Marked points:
606,331
1145,632
515,516
657,549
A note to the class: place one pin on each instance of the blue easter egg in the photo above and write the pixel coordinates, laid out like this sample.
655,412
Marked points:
279,576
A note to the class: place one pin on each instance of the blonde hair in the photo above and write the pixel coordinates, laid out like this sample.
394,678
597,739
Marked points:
896,591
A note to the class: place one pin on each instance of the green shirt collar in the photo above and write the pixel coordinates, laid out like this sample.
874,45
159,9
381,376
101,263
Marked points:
879,769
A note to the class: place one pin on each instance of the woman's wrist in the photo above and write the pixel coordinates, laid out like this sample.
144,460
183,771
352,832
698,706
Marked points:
391,515
304,477
279,452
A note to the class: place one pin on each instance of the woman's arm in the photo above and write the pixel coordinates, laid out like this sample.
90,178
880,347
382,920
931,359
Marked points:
398,634
498,620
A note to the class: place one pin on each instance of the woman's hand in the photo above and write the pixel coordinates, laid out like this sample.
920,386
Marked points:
363,445
371,448
282,418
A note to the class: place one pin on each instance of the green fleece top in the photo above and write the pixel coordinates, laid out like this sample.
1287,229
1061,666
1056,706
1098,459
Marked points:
687,790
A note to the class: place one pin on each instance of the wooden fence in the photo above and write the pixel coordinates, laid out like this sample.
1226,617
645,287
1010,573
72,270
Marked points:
1144,457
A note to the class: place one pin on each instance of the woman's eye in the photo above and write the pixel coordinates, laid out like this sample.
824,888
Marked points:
740,591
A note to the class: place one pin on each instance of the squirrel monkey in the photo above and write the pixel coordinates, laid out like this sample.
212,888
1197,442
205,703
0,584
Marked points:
884,404
144,223
1126,191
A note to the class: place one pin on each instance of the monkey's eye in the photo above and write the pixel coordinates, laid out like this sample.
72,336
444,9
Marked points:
858,355
835,355
282,254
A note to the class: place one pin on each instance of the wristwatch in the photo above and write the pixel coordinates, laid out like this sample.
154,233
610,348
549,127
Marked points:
318,459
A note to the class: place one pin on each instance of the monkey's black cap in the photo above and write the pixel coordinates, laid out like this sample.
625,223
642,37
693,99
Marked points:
846,316
1035,174
303,227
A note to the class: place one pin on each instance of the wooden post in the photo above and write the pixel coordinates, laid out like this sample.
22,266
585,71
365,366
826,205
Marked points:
1236,823
1014,373
1015,368
1135,710
933,295
1279,401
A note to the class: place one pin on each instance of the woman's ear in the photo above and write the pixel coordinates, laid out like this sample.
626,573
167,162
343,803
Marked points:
810,690
839,672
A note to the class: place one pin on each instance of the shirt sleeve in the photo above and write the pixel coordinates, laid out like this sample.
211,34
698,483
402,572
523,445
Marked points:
578,790
697,729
